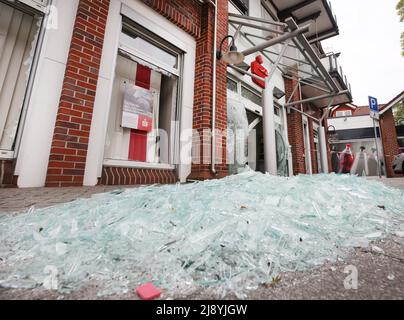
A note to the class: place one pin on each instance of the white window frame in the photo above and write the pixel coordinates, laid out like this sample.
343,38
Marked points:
343,113
174,139
12,154
124,45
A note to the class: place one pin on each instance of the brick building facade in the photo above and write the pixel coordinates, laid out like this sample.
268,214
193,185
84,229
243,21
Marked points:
73,121
73,134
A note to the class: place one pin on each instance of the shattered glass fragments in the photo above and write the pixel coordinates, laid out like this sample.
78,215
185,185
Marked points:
231,235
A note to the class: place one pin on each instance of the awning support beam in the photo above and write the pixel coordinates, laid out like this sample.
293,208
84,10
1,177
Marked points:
276,40
246,24
245,72
311,56
333,95
306,83
249,18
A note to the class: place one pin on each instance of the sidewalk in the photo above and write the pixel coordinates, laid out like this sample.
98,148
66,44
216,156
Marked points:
16,200
391,182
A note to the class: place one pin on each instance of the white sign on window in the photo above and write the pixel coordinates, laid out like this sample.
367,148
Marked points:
137,108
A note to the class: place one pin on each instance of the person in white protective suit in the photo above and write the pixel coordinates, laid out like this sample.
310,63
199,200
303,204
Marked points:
360,165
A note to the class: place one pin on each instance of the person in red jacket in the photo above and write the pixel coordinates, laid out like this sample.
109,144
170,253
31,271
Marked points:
346,160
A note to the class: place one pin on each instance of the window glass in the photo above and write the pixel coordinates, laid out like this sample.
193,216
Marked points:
277,110
401,142
250,95
18,41
241,5
232,85
346,113
150,49
140,126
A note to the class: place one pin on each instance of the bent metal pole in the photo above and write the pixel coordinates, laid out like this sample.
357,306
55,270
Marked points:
276,40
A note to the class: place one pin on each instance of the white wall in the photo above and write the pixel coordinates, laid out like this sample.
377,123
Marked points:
351,122
156,23
36,140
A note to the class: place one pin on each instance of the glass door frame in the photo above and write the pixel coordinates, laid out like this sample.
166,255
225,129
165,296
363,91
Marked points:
27,9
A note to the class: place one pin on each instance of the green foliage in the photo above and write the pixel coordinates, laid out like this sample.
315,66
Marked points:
400,9
399,114
400,12
402,43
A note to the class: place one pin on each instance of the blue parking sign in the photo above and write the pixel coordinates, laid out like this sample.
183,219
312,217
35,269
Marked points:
373,105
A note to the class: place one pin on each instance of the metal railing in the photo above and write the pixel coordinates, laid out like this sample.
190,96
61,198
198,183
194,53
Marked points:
330,61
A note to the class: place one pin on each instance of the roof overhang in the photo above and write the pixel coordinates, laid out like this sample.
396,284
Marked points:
392,103
319,12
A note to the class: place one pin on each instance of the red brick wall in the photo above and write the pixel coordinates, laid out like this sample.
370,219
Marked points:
389,138
202,118
186,14
71,134
131,176
72,128
295,130
7,178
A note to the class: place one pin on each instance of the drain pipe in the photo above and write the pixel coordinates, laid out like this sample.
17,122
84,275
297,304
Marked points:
214,74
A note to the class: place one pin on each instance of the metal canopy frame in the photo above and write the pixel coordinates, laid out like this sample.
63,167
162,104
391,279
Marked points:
287,34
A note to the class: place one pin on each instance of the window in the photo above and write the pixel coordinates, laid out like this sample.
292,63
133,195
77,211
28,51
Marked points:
144,107
148,46
401,143
241,5
268,15
232,85
268,12
18,39
345,113
277,110
249,94
254,97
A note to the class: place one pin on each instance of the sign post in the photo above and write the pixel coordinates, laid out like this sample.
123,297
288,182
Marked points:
374,114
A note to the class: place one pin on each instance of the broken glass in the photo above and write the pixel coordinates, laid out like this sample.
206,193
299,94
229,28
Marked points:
228,235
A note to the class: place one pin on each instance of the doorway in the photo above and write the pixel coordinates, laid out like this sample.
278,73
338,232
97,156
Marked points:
19,32
307,149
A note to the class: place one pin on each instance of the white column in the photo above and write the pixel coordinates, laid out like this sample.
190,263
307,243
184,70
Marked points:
39,125
269,130
323,149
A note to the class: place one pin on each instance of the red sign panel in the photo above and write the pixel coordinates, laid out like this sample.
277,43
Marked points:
258,69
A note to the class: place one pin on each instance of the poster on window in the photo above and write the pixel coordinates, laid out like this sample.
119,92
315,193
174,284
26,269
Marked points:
137,109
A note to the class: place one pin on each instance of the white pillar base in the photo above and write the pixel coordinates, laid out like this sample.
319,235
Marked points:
269,130
323,149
